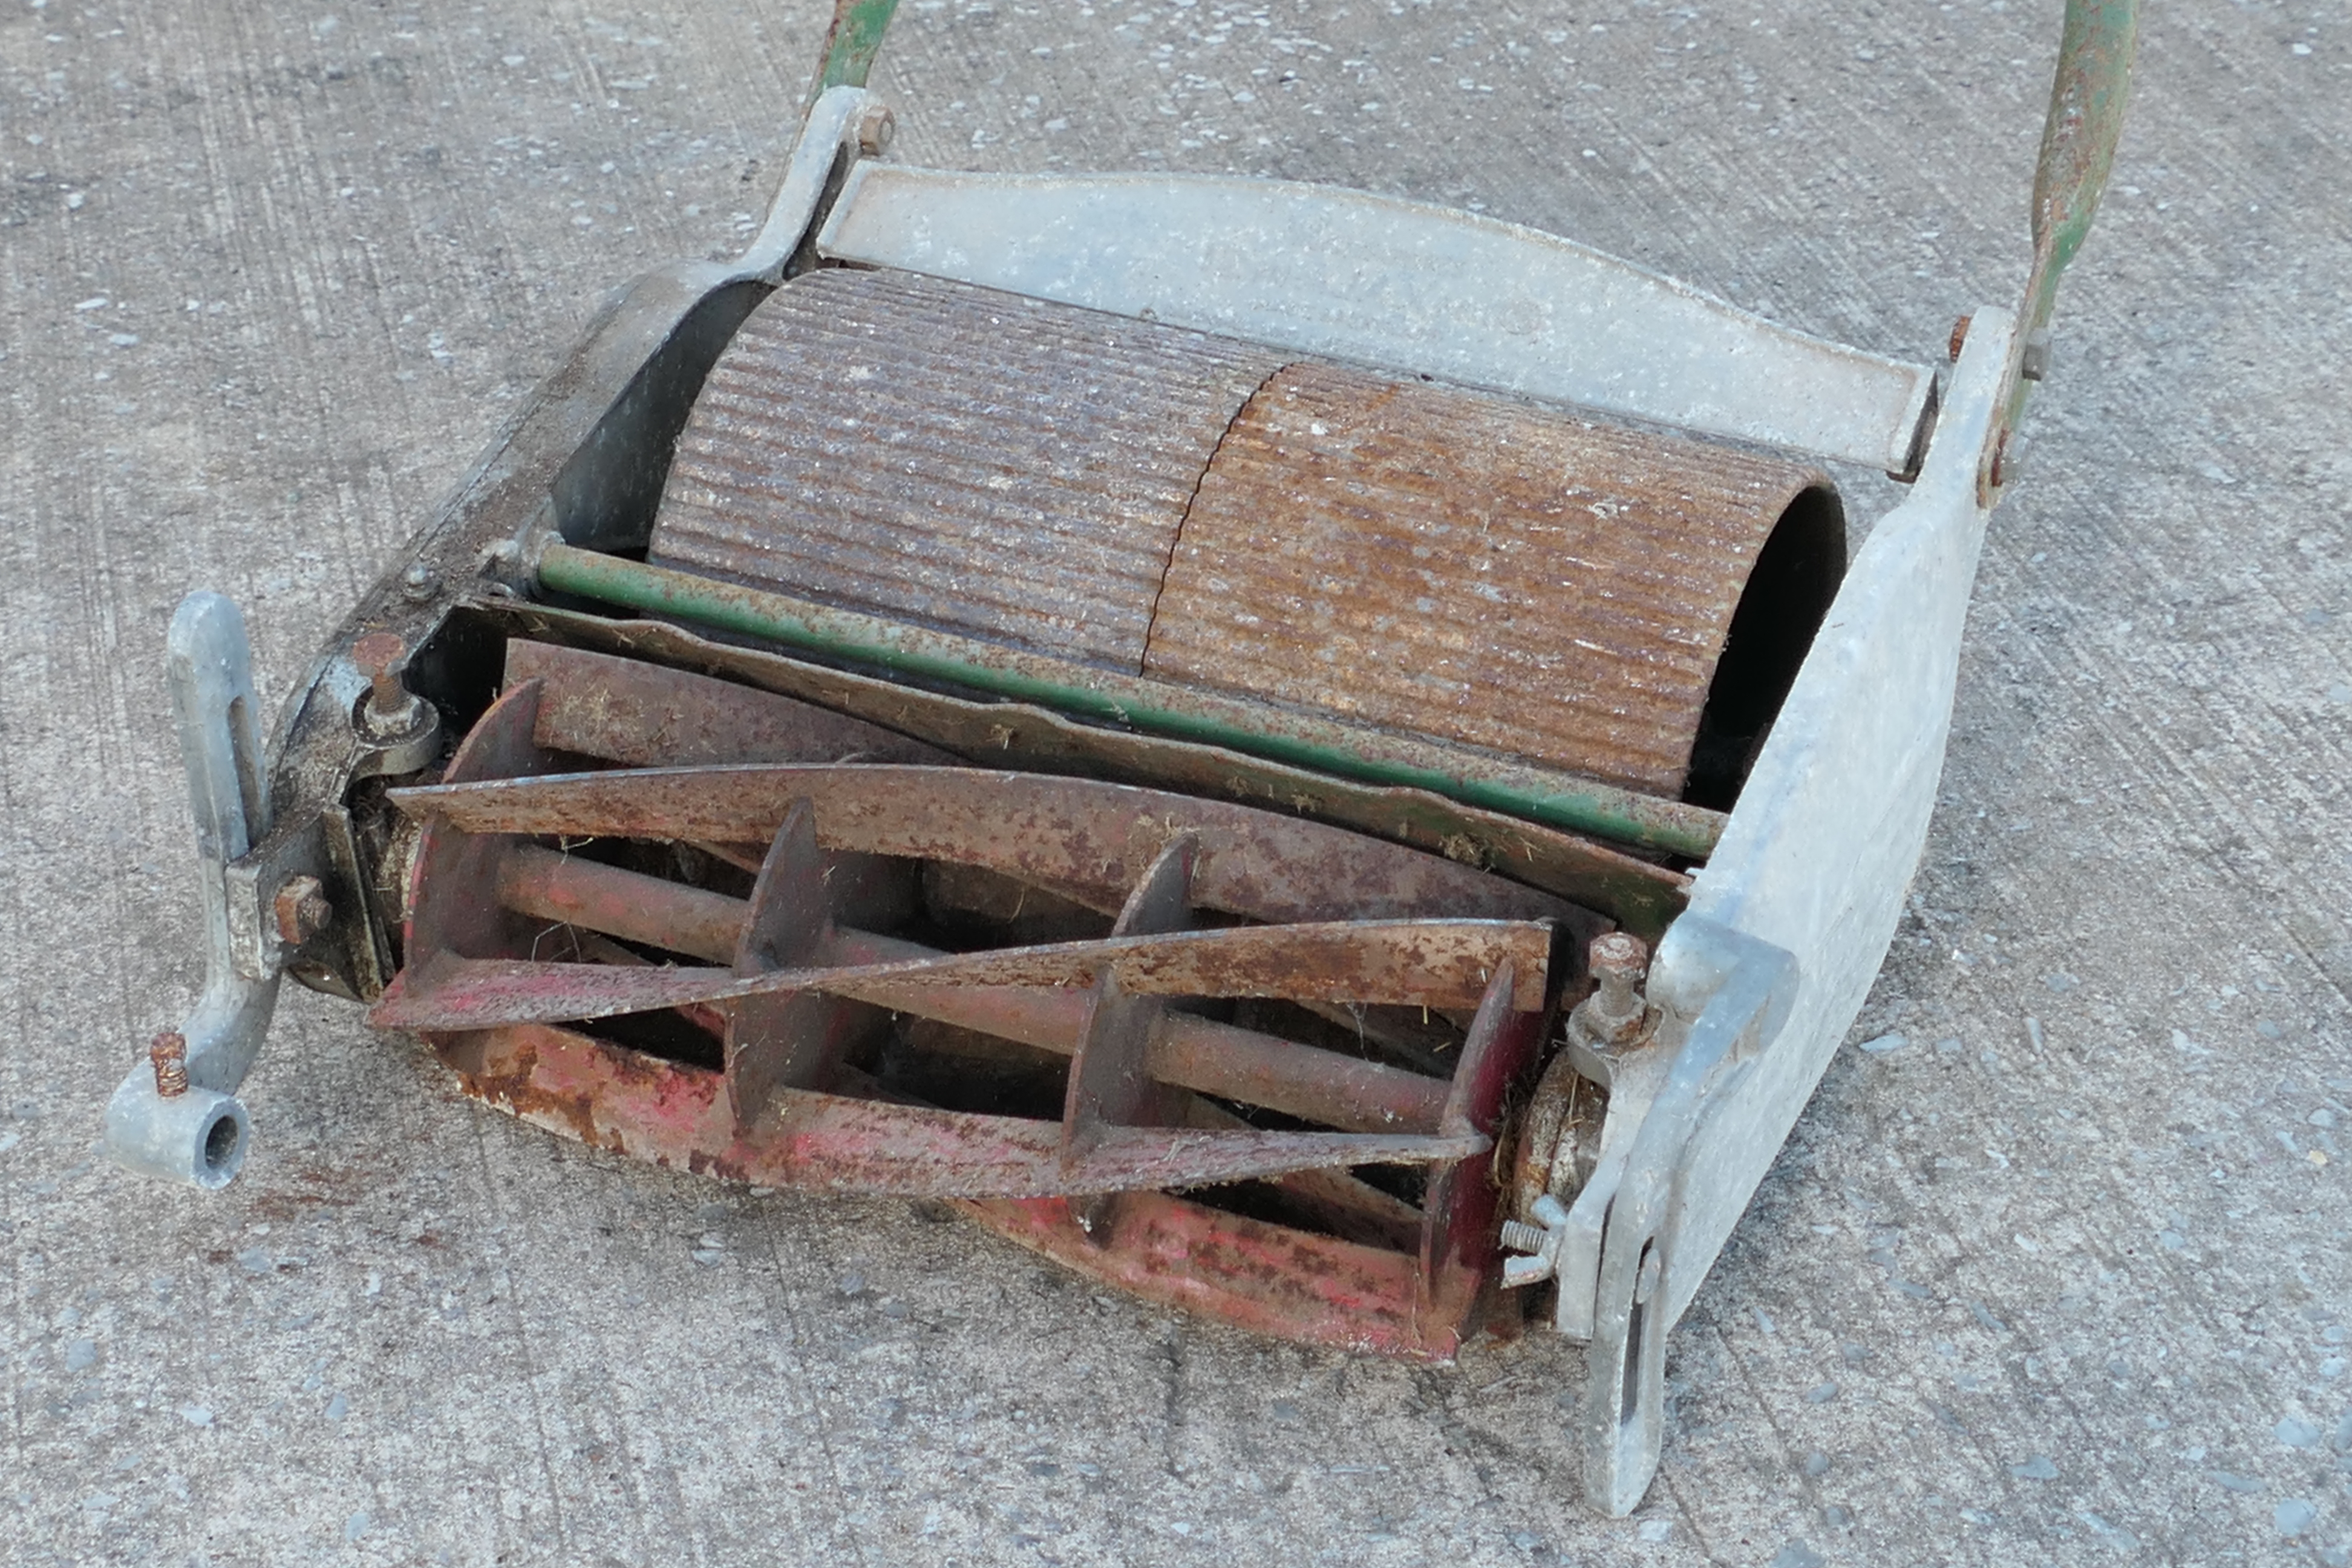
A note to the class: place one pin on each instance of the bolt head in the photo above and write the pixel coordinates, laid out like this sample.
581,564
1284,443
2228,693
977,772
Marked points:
1618,955
2033,364
302,909
377,652
417,582
874,127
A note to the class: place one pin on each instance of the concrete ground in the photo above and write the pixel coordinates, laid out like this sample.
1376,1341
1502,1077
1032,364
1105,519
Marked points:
2061,1277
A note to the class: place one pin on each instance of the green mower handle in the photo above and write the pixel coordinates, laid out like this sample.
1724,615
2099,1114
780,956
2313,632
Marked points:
851,44
2078,149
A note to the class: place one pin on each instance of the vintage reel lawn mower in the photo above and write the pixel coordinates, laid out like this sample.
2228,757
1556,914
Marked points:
1311,757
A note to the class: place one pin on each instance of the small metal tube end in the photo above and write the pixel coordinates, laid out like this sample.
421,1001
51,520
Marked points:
196,1136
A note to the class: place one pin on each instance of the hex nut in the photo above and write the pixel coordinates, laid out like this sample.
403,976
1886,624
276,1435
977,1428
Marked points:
1617,1013
302,909
2033,361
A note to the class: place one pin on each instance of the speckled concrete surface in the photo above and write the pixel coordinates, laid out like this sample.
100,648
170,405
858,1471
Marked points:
2060,1277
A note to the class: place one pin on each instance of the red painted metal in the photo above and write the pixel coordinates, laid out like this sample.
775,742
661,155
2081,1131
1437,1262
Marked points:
1110,1082
1461,1211
1270,1280
498,745
554,886
1186,1049
678,1116
790,1039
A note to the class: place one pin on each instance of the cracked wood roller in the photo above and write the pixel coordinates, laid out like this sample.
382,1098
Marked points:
1311,757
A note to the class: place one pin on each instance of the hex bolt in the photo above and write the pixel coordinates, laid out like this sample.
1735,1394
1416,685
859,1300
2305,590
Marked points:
1619,962
169,1053
416,583
1959,337
874,127
376,654
390,711
302,909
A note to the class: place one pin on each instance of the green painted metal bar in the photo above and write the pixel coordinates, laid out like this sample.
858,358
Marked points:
2087,100
1324,745
851,43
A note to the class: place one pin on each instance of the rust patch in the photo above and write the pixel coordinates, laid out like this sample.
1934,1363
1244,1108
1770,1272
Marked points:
1469,568
626,711
965,460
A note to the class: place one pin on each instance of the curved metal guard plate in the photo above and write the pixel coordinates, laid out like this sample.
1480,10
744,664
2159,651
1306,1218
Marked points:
1321,270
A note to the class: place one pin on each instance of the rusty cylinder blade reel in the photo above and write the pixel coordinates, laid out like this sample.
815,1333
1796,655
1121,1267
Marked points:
505,863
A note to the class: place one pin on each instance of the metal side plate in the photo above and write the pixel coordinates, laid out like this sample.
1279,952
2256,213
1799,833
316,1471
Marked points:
1810,875
1321,270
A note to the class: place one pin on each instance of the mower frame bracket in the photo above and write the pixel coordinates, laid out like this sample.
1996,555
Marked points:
195,1130
1791,918
827,147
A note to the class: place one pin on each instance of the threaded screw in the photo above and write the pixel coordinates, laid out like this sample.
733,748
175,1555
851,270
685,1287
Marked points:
169,1053
1521,1237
